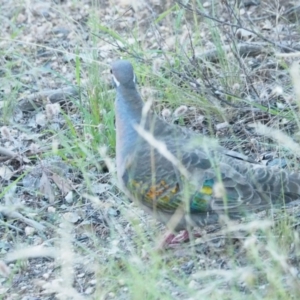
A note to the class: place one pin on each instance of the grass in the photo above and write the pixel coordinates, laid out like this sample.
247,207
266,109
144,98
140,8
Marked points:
108,253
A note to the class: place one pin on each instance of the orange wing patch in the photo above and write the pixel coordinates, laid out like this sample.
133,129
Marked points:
156,191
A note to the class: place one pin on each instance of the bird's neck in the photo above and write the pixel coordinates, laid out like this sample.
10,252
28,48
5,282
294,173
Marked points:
129,104
128,107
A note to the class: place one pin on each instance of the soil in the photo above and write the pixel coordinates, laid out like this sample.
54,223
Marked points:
57,240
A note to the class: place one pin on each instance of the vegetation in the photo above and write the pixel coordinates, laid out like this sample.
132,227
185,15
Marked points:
226,69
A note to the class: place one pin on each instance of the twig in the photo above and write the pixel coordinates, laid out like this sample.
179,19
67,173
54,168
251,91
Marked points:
200,13
16,215
10,226
31,252
7,152
35,100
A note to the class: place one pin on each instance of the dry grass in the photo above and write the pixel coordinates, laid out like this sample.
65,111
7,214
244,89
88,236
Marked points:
68,232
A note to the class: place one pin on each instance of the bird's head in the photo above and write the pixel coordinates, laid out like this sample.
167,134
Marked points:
122,74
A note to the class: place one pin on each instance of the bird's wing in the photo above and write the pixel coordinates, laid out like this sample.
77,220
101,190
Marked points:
239,186
217,180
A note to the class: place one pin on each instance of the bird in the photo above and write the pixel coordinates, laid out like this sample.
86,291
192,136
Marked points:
183,178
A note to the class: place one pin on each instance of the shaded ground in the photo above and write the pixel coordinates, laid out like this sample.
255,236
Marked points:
59,193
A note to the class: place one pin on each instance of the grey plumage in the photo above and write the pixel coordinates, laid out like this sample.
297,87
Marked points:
159,184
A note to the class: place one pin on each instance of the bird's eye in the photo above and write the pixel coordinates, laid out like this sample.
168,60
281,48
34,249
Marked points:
110,71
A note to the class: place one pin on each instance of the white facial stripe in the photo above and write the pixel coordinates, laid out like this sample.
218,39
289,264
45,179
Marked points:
115,80
134,78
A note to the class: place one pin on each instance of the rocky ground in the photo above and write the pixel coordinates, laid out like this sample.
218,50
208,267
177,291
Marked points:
219,68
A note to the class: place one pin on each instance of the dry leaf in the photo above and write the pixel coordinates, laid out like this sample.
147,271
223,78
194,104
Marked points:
267,25
71,217
244,34
5,172
4,269
46,188
62,183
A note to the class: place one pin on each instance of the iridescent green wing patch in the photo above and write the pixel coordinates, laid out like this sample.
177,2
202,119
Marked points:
201,199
